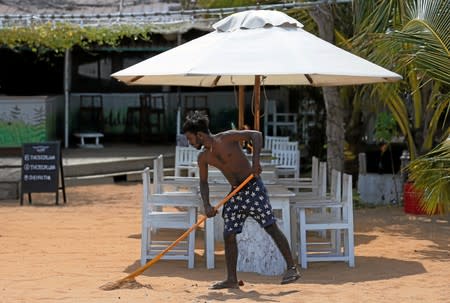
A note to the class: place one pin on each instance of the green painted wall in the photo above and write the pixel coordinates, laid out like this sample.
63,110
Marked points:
28,119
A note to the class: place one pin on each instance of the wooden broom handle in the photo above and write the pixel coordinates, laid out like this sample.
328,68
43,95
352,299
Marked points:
143,268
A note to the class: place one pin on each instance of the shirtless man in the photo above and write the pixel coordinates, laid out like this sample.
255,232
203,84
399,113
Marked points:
224,151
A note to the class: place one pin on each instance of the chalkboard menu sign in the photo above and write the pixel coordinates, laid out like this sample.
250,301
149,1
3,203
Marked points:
41,168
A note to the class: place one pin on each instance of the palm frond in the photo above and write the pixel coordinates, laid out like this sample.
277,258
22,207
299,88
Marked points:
431,175
427,35
439,106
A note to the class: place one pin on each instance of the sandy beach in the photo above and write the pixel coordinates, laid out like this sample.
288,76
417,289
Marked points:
63,253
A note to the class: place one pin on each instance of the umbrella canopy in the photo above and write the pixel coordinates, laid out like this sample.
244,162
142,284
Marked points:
266,47
266,43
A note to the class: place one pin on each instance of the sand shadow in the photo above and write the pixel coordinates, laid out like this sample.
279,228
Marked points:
436,252
366,269
239,294
135,236
362,239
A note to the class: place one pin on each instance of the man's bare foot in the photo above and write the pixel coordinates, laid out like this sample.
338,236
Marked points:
225,284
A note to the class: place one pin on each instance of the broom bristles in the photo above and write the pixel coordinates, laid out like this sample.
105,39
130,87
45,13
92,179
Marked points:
124,283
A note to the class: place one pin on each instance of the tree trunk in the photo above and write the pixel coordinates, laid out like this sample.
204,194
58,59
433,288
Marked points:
323,16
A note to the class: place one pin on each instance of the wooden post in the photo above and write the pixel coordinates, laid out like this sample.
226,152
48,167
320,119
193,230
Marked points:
67,82
241,106
256,114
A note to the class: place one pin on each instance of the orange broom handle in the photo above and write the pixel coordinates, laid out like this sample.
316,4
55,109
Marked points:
143,268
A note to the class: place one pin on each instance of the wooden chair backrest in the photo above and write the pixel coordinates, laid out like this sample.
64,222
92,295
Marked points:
270,140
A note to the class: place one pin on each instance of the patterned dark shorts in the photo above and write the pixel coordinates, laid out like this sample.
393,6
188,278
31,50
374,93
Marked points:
252,200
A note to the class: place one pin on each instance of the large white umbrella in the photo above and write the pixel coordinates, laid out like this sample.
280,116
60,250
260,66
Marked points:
252,48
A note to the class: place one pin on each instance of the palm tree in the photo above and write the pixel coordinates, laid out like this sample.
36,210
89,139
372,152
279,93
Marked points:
413,38
324,17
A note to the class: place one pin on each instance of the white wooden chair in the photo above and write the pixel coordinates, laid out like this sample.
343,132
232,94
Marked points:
269,141
313,181
185,159
307,189
339,221
154,219
285,145
318,180
322,196
287,162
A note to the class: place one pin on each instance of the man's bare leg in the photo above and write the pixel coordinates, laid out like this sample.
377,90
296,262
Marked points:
282,243
231,255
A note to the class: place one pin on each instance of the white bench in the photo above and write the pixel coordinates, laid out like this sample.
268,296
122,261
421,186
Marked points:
83,144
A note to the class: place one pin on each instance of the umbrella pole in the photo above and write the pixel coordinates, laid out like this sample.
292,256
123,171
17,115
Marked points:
257,90
241,106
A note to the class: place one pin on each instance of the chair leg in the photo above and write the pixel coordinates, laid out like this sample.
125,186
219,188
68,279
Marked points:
209,243
302,248
144,244
294,233
335,237
191,241
351,248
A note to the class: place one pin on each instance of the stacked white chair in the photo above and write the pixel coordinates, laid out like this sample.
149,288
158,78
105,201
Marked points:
155,218
287,162
307,189
285,145
332,237
185,160
317,175
270,141
310,185
338,221
285,155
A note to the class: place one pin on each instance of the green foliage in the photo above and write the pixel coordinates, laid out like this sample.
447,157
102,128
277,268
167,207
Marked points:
385,127
431,176
59,37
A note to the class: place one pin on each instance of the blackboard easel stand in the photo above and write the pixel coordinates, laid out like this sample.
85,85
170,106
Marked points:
42,170
62,187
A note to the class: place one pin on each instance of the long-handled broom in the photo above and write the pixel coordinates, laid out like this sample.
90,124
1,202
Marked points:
131,277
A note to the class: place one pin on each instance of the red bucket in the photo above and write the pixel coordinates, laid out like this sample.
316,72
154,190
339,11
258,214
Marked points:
411,200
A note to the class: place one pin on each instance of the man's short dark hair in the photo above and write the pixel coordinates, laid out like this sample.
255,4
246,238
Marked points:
196,122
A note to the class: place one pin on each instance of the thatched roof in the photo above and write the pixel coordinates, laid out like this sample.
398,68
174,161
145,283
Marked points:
61,7
164,15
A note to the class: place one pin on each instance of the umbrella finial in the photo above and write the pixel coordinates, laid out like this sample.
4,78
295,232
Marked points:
252,19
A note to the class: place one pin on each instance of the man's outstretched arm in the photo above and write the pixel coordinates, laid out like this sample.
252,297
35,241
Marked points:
204,186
